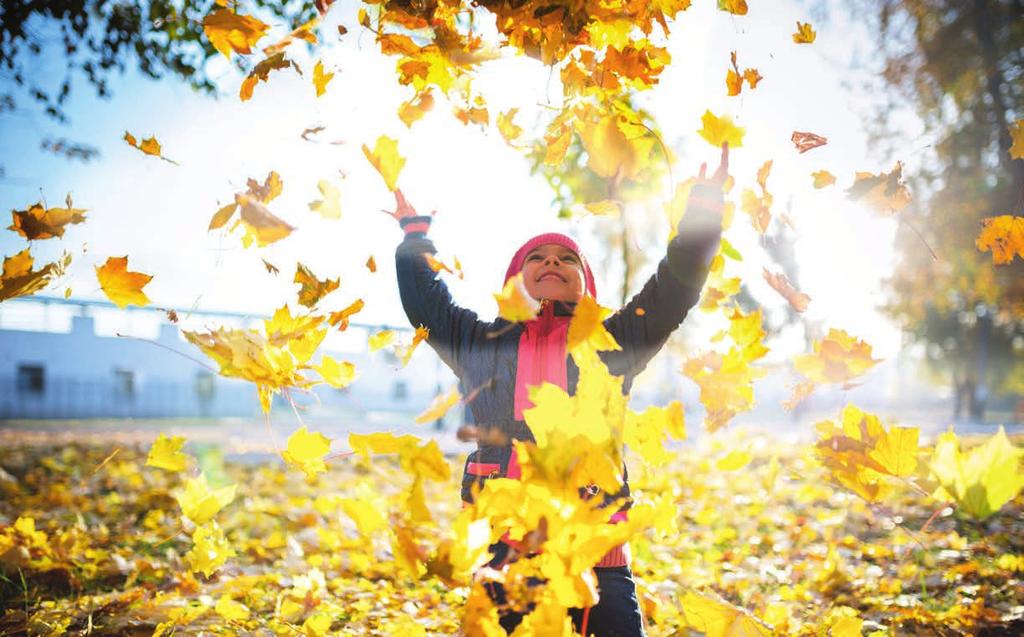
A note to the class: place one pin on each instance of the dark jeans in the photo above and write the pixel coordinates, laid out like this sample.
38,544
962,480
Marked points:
617,613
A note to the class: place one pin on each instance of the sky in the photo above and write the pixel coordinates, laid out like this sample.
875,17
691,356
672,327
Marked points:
486,201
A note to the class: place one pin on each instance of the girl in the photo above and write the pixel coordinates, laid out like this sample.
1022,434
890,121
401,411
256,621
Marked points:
501,360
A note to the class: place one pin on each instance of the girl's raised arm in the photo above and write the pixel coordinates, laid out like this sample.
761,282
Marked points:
425,297
643,325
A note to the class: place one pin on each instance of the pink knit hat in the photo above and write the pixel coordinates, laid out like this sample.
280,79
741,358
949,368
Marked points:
516,264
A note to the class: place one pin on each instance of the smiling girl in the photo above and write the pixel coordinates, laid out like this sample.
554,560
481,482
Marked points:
504,360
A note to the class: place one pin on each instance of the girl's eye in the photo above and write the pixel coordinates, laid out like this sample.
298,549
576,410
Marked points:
533,257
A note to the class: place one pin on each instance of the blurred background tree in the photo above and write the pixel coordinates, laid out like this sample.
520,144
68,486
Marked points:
959,64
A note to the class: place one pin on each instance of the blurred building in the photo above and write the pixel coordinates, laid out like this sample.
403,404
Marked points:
88,359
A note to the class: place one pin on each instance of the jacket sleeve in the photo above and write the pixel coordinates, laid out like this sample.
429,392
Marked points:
426,300
643,325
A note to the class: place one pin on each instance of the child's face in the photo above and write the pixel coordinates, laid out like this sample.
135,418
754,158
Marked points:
554,272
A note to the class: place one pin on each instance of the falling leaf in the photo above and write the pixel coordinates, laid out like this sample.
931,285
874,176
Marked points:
734,79
261,225
759,207
199,503
336,374
371,264
508,129
734,460
801,392
229,31
121,286
616,148
37,223
340,319
605,207
780,283
210,549
1017,135
440,406
414,109
838,358
805,141
270,267
261,72
386,160
718,130
804,33
19,278
381,339
823,178
885,192
269,190
302,32
311,289
862,455
306,451
736,7
222,216
1003,236
437,265
166,453
329,205
586,328
981,480
149,146
514,303
404,353
320,79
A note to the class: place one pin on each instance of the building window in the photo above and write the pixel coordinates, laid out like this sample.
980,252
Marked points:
124,382
204,386
31,379
399,391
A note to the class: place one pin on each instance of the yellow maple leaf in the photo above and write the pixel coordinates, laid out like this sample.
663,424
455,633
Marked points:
439,406
737,7
1003,236
514,303
508,129
329,204
734,460
261,73
199,504
121,286
981,480
586,328
317,625
885,192
166,453
320,79
615,148
36,223
261,225
804,33
150,146
385,158
413,110
20,279
646,433
718,130
229,31
381,339
823,178
231,610
340,318
1017,135
210,549
306,451
335,374
837,358
311,289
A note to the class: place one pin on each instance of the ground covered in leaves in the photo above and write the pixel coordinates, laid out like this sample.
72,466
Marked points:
94,543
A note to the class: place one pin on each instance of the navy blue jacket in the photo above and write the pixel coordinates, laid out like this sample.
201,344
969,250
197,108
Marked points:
483,354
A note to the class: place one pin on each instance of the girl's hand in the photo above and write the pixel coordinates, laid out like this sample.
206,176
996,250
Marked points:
403,209
717,179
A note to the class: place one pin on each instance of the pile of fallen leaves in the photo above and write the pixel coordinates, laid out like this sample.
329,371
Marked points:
749,534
